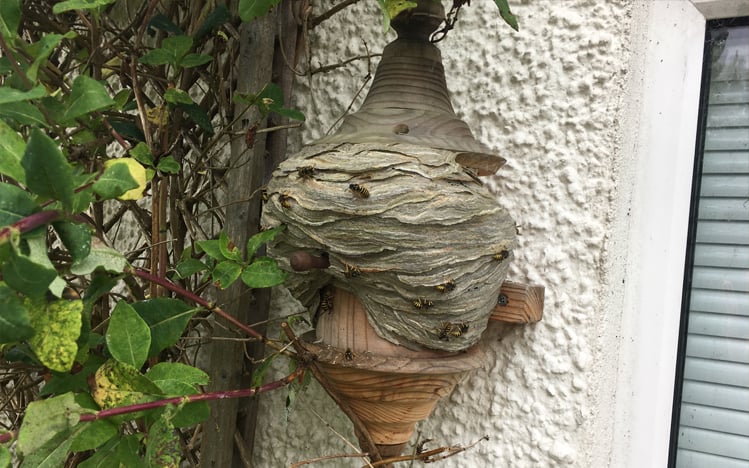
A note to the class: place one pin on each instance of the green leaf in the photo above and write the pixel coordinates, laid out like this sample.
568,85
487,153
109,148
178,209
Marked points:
251,9
93,435
142,154
167,319
211,248
10,18
128,335
226,273
24,113
271,99
189,267
76,237
168,165
4,457
12,148
216,18
114,182
58,325
396,7
127,129
385,15
228,249
46,420
79,5
48,173
199,116
194,60
171,52
258,372
87,95
177,96
290,113
100,256
15,204
14,318
29,274
263,237
263,273
163,449
8,94
506,14
120,451
157,57
100,284
177,379
62,382
192,414
42,49
122,98
51,454
161,21
119,384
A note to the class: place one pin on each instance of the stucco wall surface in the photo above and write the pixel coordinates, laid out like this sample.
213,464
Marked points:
549,100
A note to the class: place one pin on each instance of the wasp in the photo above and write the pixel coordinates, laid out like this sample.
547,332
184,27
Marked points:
326,302
359,190
447,329
264,195
459,329
446,287
285,200
305,172
351,271
501,255
422,303
443,332
348,355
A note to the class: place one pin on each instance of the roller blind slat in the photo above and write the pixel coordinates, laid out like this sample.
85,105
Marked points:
724,302
721,162
718,372
715,232
728,115
692,459
725,209
726,279
715,419
725,185
727,256
730,326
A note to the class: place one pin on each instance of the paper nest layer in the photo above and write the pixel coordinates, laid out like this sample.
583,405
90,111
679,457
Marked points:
426,222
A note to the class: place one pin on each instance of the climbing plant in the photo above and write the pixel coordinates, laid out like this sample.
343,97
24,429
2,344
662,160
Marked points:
116,118
112,116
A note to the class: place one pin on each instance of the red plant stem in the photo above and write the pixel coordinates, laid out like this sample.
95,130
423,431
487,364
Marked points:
196,299
221,395
243,393
28,223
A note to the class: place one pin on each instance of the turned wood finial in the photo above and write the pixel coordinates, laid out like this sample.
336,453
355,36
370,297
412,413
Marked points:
409,102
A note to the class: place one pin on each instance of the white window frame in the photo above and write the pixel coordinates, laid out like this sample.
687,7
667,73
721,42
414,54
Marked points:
653,218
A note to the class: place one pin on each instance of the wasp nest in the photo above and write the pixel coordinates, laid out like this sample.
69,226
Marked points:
418,239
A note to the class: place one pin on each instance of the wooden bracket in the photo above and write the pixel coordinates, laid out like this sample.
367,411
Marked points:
519,303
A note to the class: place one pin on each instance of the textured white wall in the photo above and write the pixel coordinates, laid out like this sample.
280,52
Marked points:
550,100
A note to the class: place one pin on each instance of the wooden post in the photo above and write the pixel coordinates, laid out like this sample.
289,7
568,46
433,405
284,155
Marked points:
519,303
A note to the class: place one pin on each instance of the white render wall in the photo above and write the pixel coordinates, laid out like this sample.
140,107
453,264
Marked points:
562,101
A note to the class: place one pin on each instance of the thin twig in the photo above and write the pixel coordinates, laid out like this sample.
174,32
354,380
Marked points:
327,457
314,21
365,438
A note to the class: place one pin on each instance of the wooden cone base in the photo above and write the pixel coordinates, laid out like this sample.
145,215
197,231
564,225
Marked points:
391,388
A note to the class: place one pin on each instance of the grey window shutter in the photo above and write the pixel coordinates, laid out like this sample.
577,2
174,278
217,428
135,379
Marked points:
713,426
